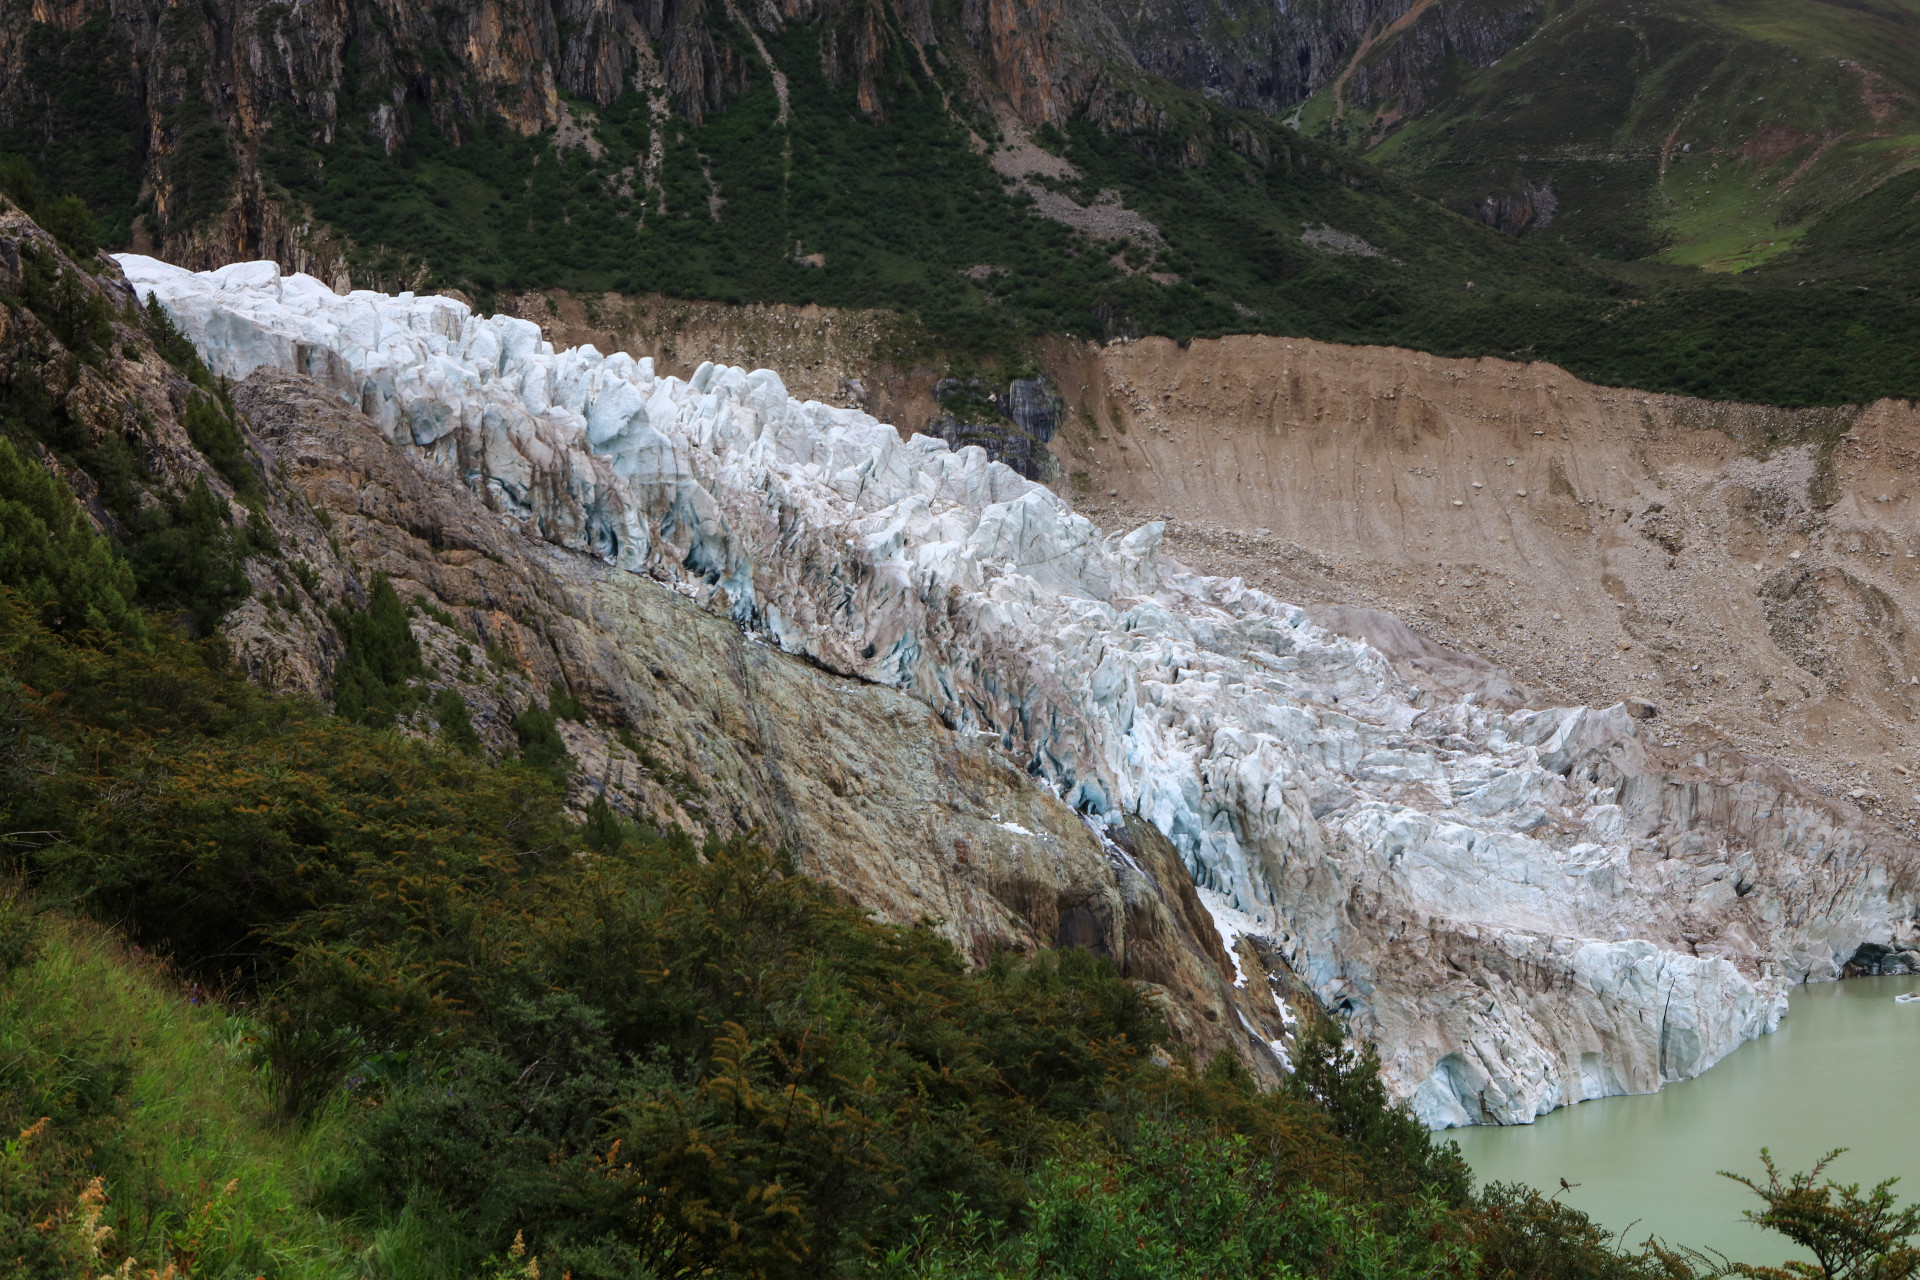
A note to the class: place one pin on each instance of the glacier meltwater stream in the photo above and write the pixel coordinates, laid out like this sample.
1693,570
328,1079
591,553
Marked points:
1838,1073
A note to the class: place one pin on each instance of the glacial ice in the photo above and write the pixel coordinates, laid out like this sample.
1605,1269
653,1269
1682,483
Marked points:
1446,874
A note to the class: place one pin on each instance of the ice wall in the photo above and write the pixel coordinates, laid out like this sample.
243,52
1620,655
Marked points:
1461,882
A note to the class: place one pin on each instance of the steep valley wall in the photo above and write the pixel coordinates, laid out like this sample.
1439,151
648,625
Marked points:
693,723
837,632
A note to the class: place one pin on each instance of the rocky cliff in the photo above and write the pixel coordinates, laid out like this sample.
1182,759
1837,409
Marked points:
1525,907
180,99
178,110
695,723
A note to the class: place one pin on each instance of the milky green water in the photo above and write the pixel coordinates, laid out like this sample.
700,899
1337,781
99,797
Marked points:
1843,1070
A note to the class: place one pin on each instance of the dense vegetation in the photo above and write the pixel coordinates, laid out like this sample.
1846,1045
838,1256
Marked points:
900,211
742,201
84,133
183,550
385,1007
1764,141
1700,133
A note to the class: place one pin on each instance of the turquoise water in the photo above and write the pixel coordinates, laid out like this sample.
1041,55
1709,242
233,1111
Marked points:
1843,1070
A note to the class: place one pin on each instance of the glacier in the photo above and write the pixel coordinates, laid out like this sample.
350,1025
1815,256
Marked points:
1522,909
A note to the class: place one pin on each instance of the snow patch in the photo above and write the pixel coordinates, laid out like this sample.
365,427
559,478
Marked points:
1232,924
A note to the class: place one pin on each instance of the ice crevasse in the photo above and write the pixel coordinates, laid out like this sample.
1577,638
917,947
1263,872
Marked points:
1467,885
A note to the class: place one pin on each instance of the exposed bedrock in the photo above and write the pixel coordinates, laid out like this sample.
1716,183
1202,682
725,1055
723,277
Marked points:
694,723
1523,906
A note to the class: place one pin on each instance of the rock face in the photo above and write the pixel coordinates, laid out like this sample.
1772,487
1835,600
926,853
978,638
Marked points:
1013,423
179,99
1523,907
180,109
1408,57
123,389
695,723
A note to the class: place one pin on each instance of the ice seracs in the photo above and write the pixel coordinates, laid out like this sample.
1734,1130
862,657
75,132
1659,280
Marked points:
1497,898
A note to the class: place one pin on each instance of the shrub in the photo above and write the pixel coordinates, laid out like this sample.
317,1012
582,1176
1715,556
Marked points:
1182,1204
171,342
51,555
63,217
564,705
372,680
1520,1232
456,723
1851,1236
1345,1083
711,1061
211,428
77,315
541,746
187,556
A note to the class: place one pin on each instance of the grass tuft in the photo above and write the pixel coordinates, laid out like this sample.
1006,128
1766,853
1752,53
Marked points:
151,1103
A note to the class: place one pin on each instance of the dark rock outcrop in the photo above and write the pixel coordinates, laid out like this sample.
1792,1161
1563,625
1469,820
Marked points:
1013,424
1875,961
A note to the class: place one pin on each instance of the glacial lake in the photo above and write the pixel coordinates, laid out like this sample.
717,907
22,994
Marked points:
1843,1070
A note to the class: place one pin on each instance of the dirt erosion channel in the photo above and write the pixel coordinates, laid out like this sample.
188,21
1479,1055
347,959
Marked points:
1748,575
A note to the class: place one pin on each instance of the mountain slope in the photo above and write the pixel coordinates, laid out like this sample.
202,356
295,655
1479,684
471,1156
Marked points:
1399,851
990,175
1692,132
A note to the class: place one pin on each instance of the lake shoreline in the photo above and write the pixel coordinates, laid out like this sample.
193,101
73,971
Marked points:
1647,1164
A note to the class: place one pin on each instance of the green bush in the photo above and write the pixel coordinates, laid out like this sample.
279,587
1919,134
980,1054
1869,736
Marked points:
541,746
1851,1236
188,558
1344,1082
53,558
372,682
172,343
77,315
456,723
63,217
1520,1232
710,1060
565,706
1183,1204
210,425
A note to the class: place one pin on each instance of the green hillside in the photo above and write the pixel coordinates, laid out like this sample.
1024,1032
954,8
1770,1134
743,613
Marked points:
1676,147
1693,132
374,1008
909,216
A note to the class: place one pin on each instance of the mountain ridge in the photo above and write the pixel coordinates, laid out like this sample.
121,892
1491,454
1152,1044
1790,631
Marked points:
763,157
